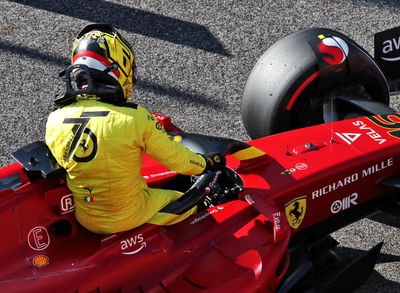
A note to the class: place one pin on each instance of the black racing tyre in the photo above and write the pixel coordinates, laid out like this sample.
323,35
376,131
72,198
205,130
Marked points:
309,72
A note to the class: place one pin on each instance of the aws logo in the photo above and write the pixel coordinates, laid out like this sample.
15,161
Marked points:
133,245
334,49
389,46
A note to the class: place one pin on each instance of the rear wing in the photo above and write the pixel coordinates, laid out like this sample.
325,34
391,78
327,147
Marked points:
387,55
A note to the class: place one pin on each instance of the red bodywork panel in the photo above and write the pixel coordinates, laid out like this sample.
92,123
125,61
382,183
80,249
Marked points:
328,168
306,176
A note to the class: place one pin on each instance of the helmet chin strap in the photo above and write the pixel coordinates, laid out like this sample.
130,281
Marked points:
79,81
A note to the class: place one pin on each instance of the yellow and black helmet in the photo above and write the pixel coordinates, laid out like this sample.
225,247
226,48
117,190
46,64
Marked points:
103,49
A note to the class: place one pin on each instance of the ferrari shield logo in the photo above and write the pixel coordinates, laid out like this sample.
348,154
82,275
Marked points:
295,211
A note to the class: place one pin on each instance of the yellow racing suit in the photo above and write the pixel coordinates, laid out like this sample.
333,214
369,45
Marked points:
100,145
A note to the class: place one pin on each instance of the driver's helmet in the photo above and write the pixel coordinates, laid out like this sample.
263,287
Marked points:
104,50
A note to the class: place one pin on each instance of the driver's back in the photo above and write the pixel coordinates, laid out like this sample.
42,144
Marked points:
100,145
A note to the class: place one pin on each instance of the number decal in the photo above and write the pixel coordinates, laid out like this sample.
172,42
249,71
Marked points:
84,136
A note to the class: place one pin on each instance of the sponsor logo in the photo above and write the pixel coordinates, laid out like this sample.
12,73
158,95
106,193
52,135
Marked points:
335,185
288,171
377,167
177,138
301,166
249,199
277,221
159,174
295,211
345,203
334,49
390,46
159,117
196,163
349,138
298,166
67,204
158,126
206,215
133,245
38,238
108,238
353,178
370,132
40,261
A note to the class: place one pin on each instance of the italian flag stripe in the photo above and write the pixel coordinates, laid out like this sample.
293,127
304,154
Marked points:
88,198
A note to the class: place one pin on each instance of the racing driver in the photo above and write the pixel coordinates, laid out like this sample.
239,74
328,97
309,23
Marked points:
98,137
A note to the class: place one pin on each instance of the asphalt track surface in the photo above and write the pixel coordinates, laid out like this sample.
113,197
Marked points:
194,58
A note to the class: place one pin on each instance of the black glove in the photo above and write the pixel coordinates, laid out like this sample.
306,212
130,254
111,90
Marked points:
215,162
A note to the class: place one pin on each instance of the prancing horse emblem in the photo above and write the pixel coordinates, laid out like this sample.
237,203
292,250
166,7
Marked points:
295,211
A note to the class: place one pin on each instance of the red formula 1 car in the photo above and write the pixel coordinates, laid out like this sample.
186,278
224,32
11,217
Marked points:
268,216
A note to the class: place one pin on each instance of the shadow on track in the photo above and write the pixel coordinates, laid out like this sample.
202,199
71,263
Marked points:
32,53
387,219
376,281
137,21
392,3
145,85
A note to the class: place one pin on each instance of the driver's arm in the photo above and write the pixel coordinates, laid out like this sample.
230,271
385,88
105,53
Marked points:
158,144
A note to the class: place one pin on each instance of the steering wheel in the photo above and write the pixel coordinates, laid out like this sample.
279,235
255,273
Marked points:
212,187
195,194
